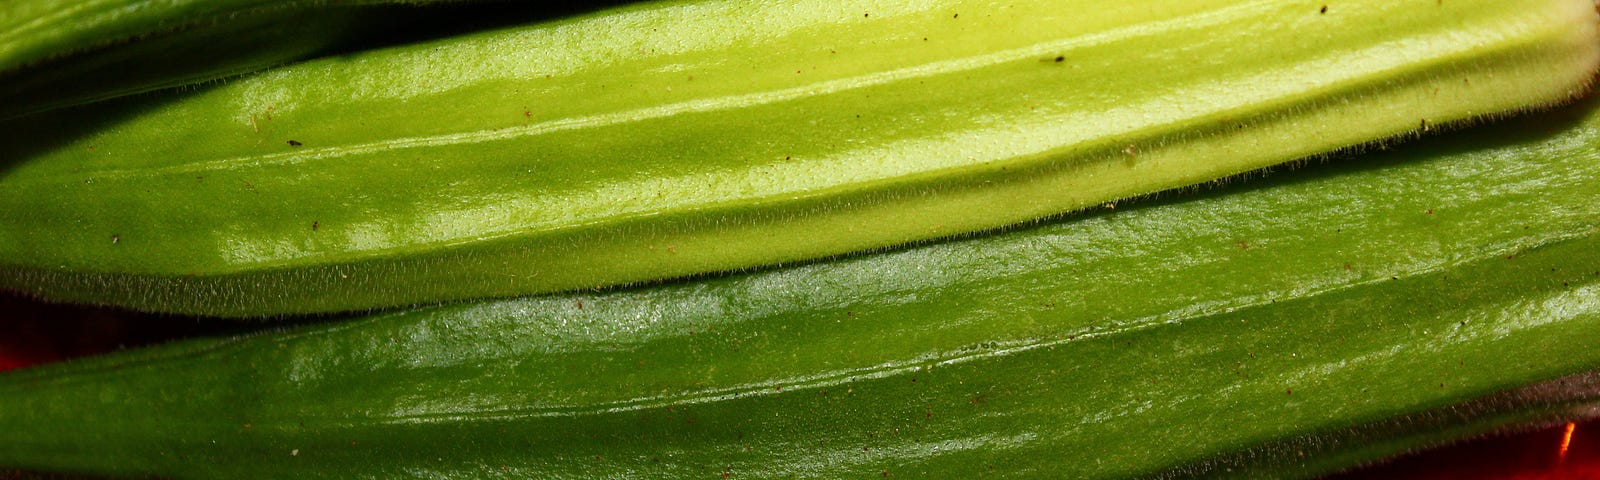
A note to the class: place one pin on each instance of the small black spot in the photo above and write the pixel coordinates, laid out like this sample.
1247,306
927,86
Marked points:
956,16
293,143
314,225
1060,58
1324,9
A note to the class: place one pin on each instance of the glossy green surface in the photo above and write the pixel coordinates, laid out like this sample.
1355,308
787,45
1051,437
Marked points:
1540,405
679,138
1134,341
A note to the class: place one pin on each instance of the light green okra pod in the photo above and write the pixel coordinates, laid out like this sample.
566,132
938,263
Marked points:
675,138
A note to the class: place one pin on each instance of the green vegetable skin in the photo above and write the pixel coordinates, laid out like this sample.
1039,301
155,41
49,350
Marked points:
677,138
56,53
34,31
1108,344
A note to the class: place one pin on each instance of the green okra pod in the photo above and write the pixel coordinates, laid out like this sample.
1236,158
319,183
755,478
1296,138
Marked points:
1152,340
675,138
56,53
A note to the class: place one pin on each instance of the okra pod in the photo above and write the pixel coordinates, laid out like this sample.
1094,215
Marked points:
671,139
1151,340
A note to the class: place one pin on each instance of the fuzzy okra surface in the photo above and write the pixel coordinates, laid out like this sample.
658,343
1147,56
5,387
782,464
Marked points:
669,139
1149,340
